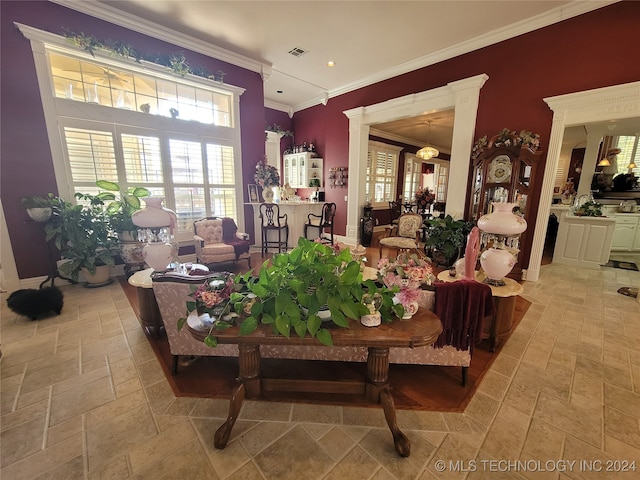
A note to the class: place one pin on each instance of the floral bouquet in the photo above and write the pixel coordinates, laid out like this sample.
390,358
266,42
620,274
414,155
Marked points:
406,271
424,198
212,296
266,175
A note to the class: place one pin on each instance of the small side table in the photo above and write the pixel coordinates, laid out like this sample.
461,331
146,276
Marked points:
504,300
147,305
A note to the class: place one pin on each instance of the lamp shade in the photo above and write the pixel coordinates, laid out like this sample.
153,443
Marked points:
154,215
156,225
502,221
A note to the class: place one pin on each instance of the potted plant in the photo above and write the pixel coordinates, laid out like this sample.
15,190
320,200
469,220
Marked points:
84,237
445,238
290,292
38,208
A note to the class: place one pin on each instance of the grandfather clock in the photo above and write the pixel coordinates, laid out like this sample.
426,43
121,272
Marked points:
504,170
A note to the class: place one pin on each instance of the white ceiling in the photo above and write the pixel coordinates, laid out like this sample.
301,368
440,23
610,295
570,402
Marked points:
369,41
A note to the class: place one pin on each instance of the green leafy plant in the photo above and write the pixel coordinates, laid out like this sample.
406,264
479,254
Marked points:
314,182
589,209
82,233
289,292
34,201
447,235
121,204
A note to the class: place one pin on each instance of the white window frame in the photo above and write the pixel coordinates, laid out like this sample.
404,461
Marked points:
55,108
391,178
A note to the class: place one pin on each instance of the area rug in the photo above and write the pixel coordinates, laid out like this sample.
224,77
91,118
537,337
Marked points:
622,265
414,387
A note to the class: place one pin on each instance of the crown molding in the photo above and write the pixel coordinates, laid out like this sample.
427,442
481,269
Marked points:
137,24
551,17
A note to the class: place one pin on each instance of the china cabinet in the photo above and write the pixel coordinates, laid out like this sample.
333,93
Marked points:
504,170
301,168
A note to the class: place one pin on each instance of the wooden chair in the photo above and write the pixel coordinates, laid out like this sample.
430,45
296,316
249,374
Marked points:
395,210
404,236
322,221
272,221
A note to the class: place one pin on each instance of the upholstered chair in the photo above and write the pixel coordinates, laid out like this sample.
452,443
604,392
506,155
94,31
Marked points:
172,292
404,236
218,241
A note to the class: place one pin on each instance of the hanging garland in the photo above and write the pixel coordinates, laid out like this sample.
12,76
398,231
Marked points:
176,63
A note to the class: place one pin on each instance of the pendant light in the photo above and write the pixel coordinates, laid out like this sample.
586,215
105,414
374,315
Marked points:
428,152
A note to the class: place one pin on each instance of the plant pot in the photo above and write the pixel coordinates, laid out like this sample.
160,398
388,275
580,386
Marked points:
100,278
39,214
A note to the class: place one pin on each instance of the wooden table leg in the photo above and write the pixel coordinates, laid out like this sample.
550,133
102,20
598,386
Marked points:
400,440
235,404
378,392
248,385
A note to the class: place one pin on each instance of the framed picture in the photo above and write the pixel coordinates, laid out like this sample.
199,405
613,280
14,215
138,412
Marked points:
253,192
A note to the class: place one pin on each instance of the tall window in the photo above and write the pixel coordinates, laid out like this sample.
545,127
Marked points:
139,125
381,173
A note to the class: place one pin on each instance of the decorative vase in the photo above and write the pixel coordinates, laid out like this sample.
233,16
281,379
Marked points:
373,304
268,194
410,308
496,263
158,255
502,220
157,225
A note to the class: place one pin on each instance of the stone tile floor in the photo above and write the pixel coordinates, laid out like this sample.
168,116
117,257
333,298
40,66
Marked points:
83,397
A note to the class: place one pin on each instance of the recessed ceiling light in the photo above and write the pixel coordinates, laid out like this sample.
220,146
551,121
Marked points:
331,63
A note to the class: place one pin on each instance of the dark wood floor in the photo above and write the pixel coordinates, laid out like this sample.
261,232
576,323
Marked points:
417,387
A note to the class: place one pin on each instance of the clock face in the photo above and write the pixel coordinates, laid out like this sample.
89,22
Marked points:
499,170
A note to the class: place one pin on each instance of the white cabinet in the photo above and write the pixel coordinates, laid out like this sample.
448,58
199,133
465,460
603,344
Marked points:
625,236
583,241
301,168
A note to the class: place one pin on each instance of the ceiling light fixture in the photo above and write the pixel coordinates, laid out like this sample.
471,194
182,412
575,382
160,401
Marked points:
632,164
428,152
604,162
331,63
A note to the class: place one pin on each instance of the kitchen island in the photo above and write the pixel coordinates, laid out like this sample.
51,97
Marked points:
582,241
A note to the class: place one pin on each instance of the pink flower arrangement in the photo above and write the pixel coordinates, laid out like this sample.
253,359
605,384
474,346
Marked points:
212,294
266,175
406,271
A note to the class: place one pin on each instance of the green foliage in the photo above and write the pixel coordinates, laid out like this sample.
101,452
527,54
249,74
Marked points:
122,204
447,234
293,288
82,233
589,209
34,201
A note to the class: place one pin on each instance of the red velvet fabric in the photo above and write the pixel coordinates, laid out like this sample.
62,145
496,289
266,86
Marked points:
462,306
229,229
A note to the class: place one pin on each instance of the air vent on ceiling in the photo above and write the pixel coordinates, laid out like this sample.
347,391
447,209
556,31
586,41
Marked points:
297,51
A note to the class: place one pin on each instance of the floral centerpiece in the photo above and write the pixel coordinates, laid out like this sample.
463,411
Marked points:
424,198
213,301
266,175
407,272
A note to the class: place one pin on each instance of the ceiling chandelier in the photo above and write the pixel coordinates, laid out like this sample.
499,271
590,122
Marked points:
428,152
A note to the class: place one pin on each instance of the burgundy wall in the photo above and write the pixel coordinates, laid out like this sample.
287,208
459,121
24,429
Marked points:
24,149
594,50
